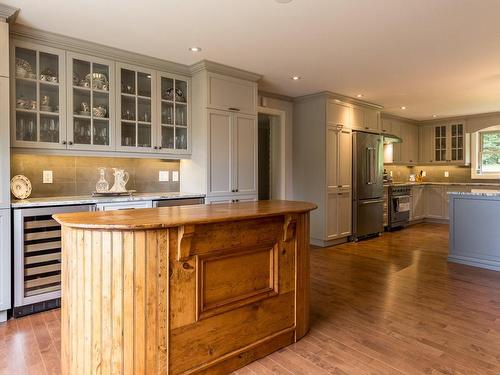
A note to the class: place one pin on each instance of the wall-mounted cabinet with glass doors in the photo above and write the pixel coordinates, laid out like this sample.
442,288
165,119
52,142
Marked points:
444,143
63,100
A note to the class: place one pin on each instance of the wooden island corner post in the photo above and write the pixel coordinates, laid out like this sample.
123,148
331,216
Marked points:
183,290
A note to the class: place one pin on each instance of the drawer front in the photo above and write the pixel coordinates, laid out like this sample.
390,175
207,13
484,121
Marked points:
229,93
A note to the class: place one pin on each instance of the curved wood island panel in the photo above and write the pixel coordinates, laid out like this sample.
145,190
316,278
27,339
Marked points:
183,290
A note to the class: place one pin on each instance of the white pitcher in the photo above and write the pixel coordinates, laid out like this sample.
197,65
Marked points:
121,179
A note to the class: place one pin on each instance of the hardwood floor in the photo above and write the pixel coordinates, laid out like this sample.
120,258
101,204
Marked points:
392,305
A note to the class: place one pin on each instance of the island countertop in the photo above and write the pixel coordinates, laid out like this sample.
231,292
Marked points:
165,217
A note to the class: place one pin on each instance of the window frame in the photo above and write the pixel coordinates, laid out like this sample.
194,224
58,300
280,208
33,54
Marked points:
477,154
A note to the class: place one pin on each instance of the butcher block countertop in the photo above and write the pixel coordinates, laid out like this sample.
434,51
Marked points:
166,217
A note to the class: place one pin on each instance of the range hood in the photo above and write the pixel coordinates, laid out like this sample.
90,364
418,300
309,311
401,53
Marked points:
391,138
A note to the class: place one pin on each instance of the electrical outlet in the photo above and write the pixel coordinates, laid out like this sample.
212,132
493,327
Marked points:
424,174
446,174
47,177
163,176
175,176
390,173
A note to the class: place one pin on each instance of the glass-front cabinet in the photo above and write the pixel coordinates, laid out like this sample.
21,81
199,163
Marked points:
90,103
174,113
457,142
449,143
38,114
136,104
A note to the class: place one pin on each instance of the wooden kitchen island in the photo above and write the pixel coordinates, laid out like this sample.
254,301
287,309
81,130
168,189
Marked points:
183,290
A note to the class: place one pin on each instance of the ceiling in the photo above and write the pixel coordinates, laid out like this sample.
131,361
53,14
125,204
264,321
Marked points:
437,57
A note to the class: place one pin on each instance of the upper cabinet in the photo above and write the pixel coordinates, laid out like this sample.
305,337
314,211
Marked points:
444,143
38,96
353,117
4,46
91,108
231,94
408,151
69,101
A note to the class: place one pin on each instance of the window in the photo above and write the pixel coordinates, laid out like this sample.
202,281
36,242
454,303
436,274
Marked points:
489,157
486,153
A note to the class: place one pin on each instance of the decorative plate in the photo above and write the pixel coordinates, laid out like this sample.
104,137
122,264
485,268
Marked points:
20,187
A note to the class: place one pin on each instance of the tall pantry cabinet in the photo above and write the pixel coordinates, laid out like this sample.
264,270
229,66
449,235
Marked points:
322,164
223,163
5,252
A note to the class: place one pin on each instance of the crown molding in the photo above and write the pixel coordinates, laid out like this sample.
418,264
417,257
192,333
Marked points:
215,67
8,13
400,118
339,97
22,32
272,95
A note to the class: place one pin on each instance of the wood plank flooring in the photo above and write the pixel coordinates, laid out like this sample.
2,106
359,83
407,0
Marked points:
392,305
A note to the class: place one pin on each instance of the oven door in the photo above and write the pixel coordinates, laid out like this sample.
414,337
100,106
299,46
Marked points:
400,209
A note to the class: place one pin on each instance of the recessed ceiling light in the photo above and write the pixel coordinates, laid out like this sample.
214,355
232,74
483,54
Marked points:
295,78
403,107
359,96
195,49
283,1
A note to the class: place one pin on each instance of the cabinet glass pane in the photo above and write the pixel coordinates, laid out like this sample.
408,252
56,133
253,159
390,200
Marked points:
181,115
460,154
100,105
180,91
454,142
82,132
167,137
443,155
81,73
144,135
144,110
49,67
49,128
181,138
167,89
128,108
49,98
100,77
26,128
26,66
81,102
144,84
101,132
128,81
128,134
26,95
167,113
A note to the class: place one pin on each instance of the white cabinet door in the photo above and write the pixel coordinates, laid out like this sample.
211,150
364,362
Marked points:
339,114
4,46
220,179
332,157
232,199
409,148
244,154
358,118
345,159
344,213
339,157
434,202
5,264
426,144
372,119
231,94
332,215
4,142
418,203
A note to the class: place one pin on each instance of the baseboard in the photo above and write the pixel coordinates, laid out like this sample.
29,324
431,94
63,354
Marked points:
328,243
3,316
475,262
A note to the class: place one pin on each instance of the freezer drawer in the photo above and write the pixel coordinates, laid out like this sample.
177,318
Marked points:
368,218
37,258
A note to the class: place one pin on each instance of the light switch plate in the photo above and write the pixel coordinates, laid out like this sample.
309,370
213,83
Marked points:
175,176
47,177
446,174
163,176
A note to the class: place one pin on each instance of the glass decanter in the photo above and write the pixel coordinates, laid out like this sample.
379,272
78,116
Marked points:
102,185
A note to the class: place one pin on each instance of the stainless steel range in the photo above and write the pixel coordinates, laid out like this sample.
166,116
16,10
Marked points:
399,206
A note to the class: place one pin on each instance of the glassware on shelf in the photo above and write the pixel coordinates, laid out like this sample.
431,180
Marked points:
102,185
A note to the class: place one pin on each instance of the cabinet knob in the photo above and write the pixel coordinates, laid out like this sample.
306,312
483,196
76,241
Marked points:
156,147
159,147
63,142
366,127
70,143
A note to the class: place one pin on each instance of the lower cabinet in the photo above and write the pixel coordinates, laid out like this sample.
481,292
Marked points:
434,201
339,214
418,208
4,263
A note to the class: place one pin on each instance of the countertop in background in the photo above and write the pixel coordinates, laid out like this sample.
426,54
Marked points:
87,199
497,185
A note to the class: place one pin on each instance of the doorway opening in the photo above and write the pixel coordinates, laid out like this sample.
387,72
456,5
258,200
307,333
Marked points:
270,159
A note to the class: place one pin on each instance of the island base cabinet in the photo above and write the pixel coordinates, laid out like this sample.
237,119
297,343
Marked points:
193,299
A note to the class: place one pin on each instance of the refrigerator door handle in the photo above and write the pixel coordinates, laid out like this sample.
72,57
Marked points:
372,202
370,161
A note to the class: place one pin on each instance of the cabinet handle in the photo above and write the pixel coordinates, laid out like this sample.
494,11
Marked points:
234,109
156,147
63,142
366,127
159,147
237,190
70,143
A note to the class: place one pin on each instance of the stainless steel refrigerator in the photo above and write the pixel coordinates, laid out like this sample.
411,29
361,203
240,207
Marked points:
368,188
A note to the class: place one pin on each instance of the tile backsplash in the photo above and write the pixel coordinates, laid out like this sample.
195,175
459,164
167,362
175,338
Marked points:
435,173
77,175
